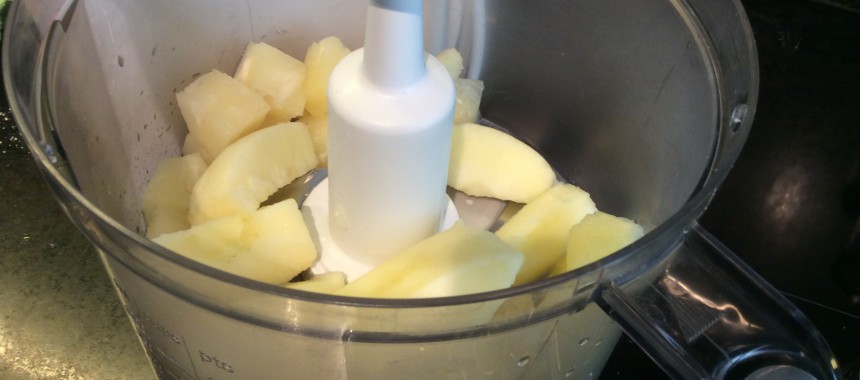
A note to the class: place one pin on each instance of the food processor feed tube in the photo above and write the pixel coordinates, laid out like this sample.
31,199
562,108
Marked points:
391,112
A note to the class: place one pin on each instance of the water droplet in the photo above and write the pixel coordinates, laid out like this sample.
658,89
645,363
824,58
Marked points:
583,342
52,245
469,202
523,361
26,236
570,373
120,61
598,342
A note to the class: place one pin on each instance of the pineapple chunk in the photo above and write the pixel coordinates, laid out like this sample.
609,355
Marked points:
250,170
559,267
193,146
598,235
190,146
318,127
276,76
540,229
165,200
322,283
219,110
272,120
457,261
468,91
453,62
487,162
468,101
271,245
320,60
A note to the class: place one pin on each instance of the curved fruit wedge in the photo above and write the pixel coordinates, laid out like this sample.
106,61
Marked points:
460,260
541,228
598,235
250,170
271,245
487,162
166,198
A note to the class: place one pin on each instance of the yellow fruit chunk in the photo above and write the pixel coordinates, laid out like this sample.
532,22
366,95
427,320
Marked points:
469,91
192,146
252,169
468,101
166,197
219,110
540,229
457,261
321,283
271,245
276,76
453,62
487,162
318,127
320,60
272,120
598,236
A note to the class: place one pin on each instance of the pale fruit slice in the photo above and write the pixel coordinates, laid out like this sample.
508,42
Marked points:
599,235
460,260
271,245
468,101
540,229
321,283
487,162
320,60
252,169
318,127
166,198
219,110
453,62
275,75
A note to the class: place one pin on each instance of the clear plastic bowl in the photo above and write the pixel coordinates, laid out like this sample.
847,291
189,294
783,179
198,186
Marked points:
645,104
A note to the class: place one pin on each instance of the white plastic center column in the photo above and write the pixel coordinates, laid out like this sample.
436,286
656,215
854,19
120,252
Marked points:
390,115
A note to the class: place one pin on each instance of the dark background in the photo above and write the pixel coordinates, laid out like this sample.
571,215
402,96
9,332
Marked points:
791,206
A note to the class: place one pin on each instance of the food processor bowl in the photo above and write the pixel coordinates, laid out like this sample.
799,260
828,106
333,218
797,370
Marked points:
644,104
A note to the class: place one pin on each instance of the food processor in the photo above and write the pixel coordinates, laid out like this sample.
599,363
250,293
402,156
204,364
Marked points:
645,105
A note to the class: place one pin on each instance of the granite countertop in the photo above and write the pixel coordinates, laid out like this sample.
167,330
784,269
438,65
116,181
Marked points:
59,316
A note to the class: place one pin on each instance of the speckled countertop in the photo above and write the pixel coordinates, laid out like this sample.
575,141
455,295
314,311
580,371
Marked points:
59,316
